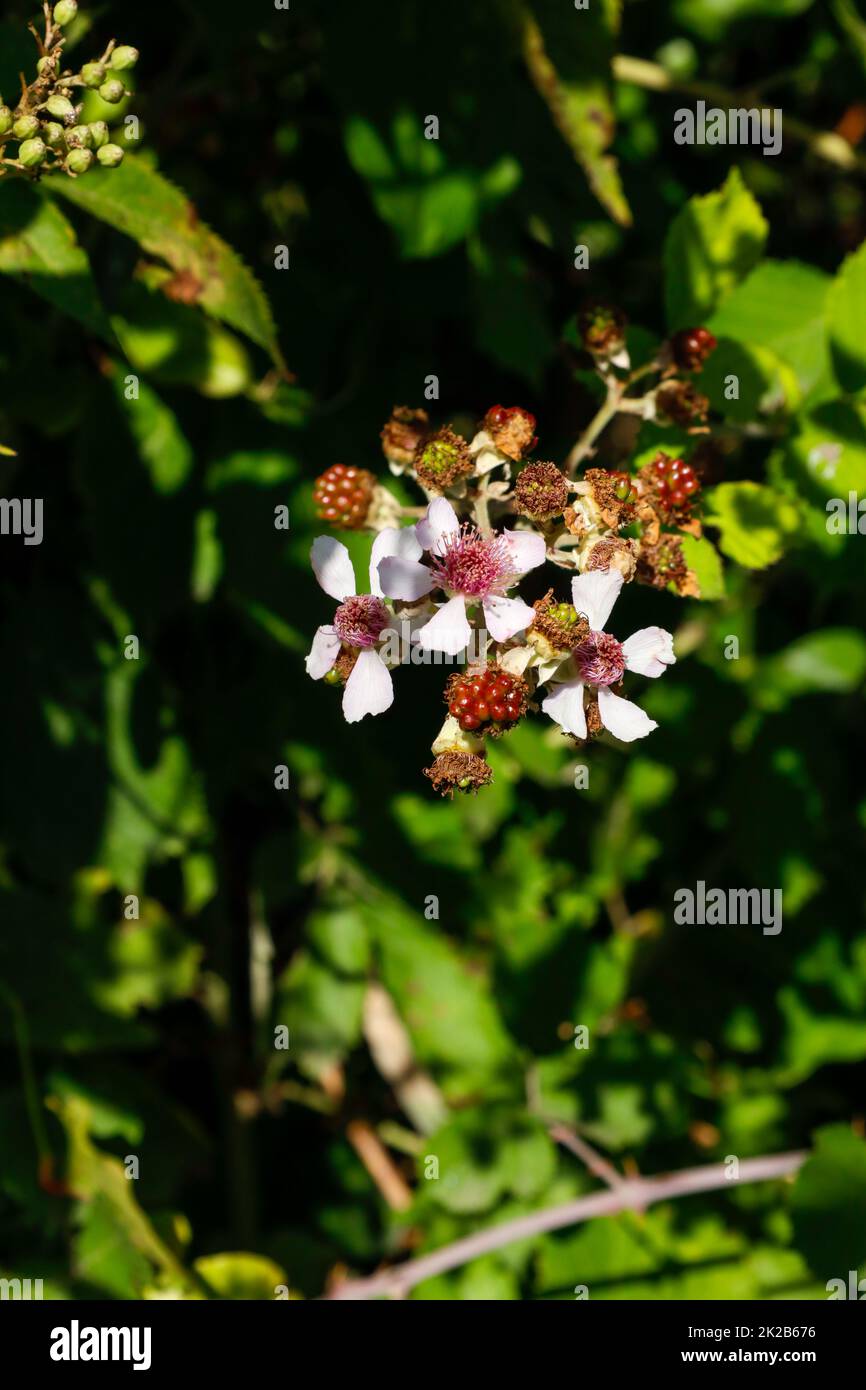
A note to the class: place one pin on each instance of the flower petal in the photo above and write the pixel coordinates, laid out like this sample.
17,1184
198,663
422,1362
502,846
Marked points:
394,540
333,567
505,616
448,630
621,718
649,651
594,594
405,579
369,689
528,549
323,653
564,704
438,522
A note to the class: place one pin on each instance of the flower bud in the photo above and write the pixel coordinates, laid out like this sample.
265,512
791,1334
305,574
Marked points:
53,134
112,91
25,127
79,137
64,12
98,134
78,161
124,57
93,74
31,153
61,107
109,156
6,120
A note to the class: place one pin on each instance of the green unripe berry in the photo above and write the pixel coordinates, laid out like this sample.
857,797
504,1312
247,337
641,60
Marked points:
79,138
98,134
79,161
31,153
6,120
61,107
64,12
622,491
331,677
112,90
44,65
93,74
25,127
52,133
124,57
110,156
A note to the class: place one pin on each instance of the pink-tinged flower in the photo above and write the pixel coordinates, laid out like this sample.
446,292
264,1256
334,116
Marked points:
469,568
600,661
359,622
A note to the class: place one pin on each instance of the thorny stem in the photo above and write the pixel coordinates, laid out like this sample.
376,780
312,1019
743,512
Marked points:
632,1193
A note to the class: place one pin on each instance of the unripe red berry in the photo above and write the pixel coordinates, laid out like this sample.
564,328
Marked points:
342,495
492,697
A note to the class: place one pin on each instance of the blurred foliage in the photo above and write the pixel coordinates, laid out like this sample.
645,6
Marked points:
498,926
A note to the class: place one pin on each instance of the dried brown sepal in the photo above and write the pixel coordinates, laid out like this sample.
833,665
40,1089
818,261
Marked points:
614,553
551,622
403,433
614,511
663,564
458,772
602,329
512,430
574,522
442,459
679,402
541,491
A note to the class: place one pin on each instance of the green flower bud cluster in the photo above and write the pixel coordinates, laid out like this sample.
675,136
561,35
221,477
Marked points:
46,124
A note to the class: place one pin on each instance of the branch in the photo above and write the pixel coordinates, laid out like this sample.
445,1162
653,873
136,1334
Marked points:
826,144
639,1192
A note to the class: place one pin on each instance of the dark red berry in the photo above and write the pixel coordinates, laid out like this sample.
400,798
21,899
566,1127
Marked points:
675,482
691,347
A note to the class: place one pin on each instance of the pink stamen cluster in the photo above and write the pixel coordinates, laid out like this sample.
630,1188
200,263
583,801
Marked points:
600,659
361,620
471,564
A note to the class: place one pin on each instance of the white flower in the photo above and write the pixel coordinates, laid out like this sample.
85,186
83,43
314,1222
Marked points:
360,621
600,660
468,567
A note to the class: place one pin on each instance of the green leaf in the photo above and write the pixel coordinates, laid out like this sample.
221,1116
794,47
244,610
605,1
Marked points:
710,19
703,559
240,1275
833,660
38,245
754,522
140,202
568,55
826,458
829,1204
846,310
429,205
781,306
162,445
713,242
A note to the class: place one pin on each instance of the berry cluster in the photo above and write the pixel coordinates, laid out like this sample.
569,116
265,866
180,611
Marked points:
492,697
46,124
342,496
675,481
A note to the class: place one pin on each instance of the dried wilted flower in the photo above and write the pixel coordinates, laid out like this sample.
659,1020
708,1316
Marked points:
402,434
441,459
461,772
512,430
680,402
541,491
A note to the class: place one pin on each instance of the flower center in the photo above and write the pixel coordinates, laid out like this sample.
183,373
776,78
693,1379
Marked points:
361,620
473,565
599,658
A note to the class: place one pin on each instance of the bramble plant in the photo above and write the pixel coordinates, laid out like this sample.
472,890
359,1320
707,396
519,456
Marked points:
449,579
46,123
